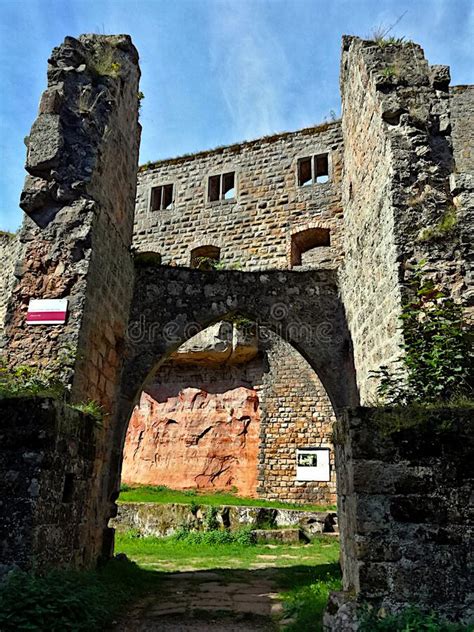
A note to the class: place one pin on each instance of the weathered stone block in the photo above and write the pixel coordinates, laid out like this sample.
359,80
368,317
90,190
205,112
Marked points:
45,143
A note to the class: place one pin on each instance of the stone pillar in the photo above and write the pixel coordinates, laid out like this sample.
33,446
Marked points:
396,193
79,196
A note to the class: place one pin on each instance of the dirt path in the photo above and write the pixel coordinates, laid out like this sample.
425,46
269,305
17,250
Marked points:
208,601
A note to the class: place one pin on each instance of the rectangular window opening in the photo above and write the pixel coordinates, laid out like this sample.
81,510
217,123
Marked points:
68,489
155,201
228,186
221,187
161,197
304,172
214,188
321,169
167,196
313,170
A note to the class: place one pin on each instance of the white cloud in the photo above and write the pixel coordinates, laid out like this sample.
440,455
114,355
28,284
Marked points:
251,67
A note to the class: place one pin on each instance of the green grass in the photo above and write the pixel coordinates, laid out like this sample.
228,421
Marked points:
173,554
73,601
304,574
409,620
305,603
162,494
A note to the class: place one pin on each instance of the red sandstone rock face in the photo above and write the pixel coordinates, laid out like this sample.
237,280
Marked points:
189,437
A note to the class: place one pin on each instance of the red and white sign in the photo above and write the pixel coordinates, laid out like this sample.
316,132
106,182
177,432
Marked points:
47,311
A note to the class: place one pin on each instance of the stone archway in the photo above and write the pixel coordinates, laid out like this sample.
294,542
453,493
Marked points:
171,304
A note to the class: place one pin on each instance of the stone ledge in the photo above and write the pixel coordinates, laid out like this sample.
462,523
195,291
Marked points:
163,519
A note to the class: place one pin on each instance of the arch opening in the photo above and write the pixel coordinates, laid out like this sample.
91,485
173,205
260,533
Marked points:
233,409
310,247
205,257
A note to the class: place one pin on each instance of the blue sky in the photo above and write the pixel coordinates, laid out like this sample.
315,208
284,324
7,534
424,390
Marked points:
213,71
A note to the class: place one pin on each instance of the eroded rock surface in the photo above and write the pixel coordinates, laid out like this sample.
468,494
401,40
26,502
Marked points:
218,344
188,437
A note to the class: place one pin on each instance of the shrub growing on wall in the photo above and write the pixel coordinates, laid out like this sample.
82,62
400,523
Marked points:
436,362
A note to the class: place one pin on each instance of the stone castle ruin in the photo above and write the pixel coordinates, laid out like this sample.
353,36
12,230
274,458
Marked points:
226,308
247,207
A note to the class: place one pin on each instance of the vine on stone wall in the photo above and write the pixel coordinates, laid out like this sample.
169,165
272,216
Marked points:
436,361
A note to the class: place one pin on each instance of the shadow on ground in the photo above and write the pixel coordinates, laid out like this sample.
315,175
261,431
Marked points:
215,600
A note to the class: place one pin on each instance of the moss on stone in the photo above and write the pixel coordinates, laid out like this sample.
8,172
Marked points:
444,227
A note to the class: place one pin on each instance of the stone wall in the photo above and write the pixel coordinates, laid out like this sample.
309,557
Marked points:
296,413
253,230
396,193
403,507
164,519
462,180
46,465
82,155
462,123
9,254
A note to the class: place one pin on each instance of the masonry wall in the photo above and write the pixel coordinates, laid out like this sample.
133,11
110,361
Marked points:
82,155
79,198
254,230
296,413
46,466
462,122
403,507
462,183
9,254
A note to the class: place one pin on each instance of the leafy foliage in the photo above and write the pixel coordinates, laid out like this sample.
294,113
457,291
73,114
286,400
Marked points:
214,537
34,380
29,380
91,408
436,364
210,519
67,600
103,62
389,72
382,41
446,225
410,620
306,604
213,533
